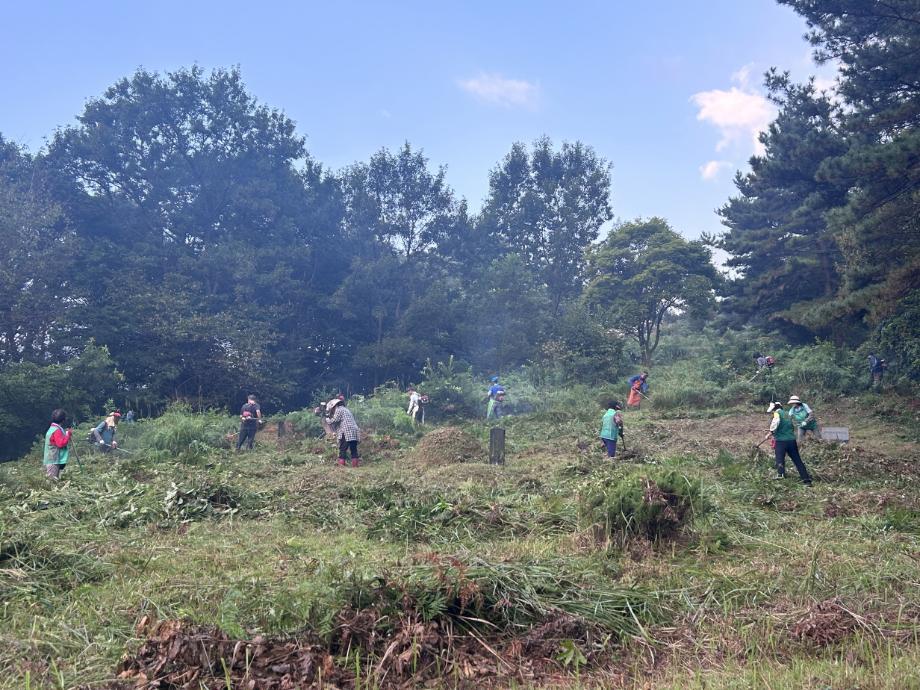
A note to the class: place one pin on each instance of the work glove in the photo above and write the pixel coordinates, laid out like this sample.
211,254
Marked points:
114,444
101,443
802,425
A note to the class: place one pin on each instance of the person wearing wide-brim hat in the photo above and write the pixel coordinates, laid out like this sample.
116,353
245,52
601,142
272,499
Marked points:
782,429
104,433
343,425
803,418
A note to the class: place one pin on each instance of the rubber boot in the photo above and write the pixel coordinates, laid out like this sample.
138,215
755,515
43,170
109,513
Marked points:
355,462
341,462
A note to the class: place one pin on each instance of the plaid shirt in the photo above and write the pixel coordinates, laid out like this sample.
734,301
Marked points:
343,423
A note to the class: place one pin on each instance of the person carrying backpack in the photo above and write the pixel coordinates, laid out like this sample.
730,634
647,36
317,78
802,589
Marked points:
612,427
496,404
250,415
57,445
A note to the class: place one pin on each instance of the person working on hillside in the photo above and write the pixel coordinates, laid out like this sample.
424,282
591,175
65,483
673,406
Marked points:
876,370
638,387
343,425
496,404
250,416
783,431
612,427
803,419
57,448
415,404
104,433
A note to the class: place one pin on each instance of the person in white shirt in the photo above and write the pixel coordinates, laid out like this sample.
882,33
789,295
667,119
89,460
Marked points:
414,404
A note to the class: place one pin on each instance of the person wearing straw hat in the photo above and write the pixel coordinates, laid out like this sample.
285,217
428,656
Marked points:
782,428
803,418
345,428
104,433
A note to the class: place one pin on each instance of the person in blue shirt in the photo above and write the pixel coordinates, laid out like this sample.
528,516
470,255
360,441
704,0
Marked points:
496,399
104,434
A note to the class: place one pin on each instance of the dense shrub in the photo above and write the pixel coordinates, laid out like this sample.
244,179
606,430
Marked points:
384,412
305,422
179,432
452,390
815,371
649,504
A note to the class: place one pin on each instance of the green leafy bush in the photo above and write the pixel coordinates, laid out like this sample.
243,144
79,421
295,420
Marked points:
305,422
452,390
652,505
179,432
816,371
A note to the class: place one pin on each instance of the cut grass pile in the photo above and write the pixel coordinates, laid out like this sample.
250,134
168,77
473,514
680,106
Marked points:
445,446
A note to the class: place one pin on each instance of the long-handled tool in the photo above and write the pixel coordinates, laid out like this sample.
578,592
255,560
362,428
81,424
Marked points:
73,449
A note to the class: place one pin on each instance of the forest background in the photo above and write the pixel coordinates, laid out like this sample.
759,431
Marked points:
180,243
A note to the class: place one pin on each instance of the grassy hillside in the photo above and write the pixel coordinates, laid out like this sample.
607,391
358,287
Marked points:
680,565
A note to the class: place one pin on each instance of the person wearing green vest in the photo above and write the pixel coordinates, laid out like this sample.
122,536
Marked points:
782,428
803,418
612,427
56,445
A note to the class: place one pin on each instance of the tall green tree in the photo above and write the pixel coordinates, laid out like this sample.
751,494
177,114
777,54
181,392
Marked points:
204,253
395,198
780,249
507,311
36,252
876,43
642,272
548,206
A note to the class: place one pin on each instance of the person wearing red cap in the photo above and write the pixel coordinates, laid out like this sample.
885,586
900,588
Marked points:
104,433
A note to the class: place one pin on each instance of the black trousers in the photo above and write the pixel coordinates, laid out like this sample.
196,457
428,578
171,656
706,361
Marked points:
790,448
350,446
247,435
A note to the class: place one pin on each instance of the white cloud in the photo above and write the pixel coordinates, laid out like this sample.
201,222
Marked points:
499,90
739,113
828,84
711,169
743,75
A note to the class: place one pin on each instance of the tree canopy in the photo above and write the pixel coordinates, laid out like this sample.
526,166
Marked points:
180,242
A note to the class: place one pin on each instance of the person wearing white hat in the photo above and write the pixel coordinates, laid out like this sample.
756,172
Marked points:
783,430
802,418
345,428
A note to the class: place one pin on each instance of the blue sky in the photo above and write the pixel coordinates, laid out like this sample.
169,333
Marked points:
668,91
